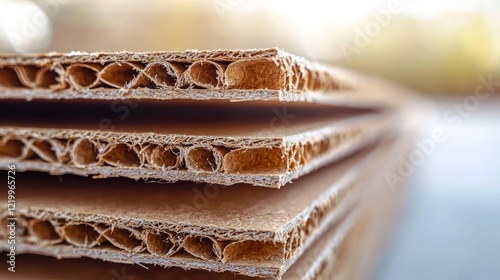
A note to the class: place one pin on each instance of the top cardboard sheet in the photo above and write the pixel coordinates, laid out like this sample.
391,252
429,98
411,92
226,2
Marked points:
238,75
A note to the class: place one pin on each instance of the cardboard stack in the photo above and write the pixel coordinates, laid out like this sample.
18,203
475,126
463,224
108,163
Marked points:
287,183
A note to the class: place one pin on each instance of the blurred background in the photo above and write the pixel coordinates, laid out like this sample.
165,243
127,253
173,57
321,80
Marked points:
446,49
434,46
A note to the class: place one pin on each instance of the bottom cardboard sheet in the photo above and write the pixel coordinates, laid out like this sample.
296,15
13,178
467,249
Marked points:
344,251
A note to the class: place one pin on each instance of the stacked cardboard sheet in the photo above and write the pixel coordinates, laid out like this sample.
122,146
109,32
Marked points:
322,135
234,147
